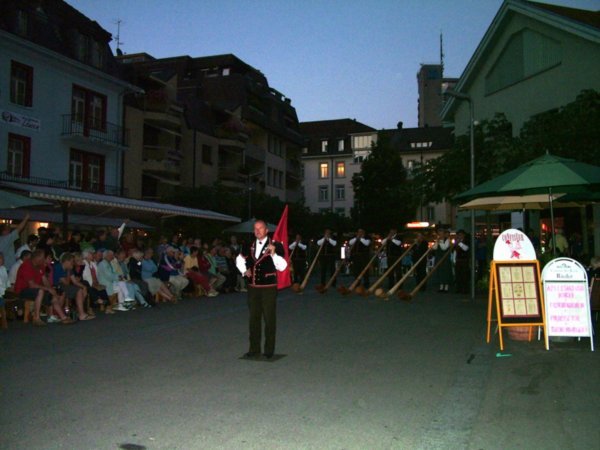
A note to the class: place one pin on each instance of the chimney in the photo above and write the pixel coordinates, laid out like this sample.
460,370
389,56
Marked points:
399,125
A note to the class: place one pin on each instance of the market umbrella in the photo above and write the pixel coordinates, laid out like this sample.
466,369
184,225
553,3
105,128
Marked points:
9,200
247,227
511,202
547,174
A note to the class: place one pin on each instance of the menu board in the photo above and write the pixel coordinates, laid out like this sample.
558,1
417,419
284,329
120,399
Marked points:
518,292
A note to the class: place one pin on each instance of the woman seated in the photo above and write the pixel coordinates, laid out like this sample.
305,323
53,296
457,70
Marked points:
196,269
149,271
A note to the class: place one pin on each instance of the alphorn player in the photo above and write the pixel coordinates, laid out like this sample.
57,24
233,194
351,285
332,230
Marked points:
444,271
393,250
327,257
359,256
298,251
418,251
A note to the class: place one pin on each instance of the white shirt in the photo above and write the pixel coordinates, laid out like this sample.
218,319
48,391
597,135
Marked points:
443,245
21,249
396,242
12,274
366,242
300,244
279,262
331,241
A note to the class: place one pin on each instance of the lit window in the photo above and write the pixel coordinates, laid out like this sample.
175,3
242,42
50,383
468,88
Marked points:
324,170
340,170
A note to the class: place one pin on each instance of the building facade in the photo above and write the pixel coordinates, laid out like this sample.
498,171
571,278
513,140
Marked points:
430,82
211,119
333,153
61,99
533,58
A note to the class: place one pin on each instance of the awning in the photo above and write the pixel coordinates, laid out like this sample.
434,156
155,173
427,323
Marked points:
74,219
111,201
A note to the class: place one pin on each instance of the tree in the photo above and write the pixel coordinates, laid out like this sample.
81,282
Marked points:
383,196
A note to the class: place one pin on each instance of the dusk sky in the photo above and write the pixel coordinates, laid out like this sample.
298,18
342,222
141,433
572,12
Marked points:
333,58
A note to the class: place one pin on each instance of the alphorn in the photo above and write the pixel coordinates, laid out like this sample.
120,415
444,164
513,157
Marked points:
323,289
310,269
395,287
349,290
431,272
389,270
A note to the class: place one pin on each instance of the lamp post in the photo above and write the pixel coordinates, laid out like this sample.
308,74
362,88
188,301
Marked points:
462,96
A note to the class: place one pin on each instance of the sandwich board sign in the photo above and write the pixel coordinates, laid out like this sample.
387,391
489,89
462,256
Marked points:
567,300
515,290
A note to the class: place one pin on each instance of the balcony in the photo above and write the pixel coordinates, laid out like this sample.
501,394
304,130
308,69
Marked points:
255,152
292,167
92,187
90,130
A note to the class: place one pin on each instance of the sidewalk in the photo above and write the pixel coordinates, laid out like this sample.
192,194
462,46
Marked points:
358,374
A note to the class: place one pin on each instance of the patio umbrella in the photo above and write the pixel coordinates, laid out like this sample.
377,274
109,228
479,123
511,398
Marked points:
511,202
9,200
247,227
547,174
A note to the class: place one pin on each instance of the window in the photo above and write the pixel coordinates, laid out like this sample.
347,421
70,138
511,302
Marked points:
340,211
323,193
362,141
86,171
274,178
226,71
97,54
324,146
340,145
19,155
340,169
89,109
324,170
82,47
21,84
340,192
304,150
207,154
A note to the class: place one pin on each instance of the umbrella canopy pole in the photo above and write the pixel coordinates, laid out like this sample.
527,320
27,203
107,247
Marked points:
552,223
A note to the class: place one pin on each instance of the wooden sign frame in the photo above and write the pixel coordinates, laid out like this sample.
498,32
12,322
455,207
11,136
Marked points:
516,290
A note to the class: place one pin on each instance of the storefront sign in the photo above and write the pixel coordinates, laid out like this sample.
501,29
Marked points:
567,299
20,120
513,245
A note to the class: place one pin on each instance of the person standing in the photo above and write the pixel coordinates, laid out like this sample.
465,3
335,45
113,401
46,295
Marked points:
298,252
418,251
393,251
260,264
359,255
442,244
327,258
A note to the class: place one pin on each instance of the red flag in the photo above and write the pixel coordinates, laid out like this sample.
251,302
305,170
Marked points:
284,279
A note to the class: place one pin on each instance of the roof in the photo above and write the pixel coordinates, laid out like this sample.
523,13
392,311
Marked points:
583,23
74,219
127,204
333,128
441,138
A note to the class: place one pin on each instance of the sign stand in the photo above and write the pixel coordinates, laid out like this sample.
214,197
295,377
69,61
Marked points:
567,300
515,288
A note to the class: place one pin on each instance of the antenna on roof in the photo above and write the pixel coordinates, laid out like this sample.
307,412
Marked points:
118,37
442,53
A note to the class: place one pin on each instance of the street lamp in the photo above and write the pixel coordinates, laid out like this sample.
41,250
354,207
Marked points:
462,96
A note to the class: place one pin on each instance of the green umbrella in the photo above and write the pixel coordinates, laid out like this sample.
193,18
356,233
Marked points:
8,200
547,174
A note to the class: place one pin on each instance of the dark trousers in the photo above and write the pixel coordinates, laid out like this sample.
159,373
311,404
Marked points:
462,276
327,264
420,274
299,270
395,274
359,262
262,303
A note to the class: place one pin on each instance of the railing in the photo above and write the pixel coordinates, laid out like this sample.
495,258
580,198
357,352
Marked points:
91,187
105,132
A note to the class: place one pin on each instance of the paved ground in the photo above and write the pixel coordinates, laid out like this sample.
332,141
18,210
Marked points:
359,374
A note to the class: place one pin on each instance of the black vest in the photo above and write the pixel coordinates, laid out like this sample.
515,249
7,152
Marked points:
328,249
359,248
263,269
299,254
392,249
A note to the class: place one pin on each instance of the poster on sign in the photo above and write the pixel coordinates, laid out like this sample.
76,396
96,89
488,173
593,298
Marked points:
567,300
513,245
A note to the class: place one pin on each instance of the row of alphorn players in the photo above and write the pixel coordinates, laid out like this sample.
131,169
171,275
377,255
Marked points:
359,257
